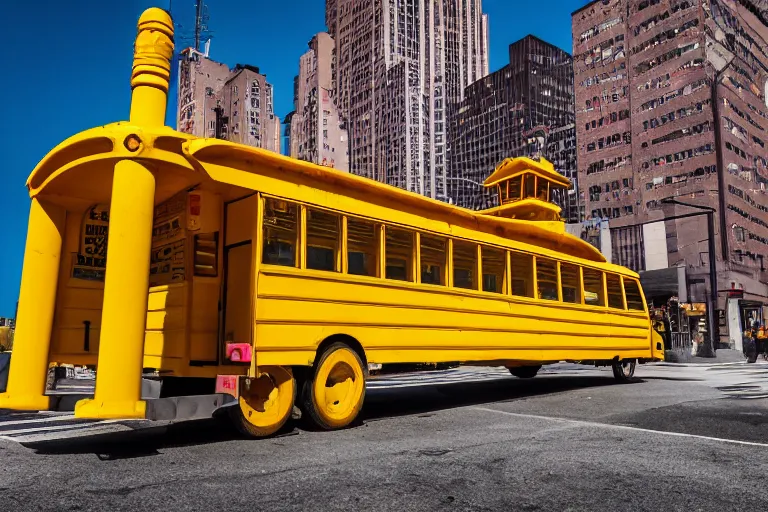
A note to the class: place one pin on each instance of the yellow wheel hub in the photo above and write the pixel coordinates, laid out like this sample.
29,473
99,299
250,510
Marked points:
338,388
266,403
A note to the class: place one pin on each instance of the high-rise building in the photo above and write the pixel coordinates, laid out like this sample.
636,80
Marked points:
398,68
525,108
233,104
671,107
317,132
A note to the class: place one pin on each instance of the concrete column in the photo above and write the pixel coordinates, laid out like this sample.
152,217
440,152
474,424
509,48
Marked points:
37,302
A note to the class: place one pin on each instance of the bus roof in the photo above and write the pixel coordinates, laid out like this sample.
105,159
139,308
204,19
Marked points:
511,167
550,235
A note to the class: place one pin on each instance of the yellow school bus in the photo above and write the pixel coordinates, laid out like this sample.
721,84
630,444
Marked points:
201,276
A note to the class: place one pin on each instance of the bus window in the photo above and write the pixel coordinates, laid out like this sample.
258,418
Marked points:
362,248
494,269
593,287
615,297
399,251
634,297
515,188
571,283
280,232
464,265
522,274
433,260
323,240
542,190
546,278
530,186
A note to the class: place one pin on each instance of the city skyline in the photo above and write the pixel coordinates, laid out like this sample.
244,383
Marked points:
96,65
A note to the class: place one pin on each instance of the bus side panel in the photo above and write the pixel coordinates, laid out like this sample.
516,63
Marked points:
406,323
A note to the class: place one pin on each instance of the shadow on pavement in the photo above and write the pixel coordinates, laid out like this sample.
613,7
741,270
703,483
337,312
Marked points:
380,404
385,403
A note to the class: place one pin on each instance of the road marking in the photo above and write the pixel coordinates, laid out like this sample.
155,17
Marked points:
583,423
48,419
50,429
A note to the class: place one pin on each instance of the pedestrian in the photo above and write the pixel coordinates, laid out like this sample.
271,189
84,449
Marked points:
762,343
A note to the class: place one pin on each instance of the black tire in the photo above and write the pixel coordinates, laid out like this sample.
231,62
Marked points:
624,370
525,372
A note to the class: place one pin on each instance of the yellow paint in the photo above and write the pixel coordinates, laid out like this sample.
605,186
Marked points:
265,402
338,388
175,324
118,379
26,381
124,315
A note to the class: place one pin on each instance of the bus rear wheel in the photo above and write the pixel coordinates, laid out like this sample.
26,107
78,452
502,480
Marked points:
333,396
525,372
624,370
266,404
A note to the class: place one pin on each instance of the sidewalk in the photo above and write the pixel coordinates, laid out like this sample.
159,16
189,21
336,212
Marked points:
723,355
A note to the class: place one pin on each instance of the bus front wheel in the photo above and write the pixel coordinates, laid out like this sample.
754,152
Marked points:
333,395
266,403
623,370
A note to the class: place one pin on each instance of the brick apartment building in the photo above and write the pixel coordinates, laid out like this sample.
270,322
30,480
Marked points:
317,132
526,108
671,102
232,104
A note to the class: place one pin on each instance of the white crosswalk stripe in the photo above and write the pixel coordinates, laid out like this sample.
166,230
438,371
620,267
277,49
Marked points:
735,380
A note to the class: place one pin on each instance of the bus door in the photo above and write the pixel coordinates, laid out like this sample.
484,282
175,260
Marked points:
237,295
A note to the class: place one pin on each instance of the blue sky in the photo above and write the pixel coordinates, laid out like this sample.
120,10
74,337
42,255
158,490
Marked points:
68,64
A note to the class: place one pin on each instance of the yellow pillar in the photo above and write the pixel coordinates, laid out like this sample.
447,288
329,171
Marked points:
126,283
37,300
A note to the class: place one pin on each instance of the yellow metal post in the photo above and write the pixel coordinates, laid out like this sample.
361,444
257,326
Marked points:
126,283
37,300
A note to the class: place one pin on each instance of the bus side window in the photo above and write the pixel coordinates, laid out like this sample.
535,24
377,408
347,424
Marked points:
571,283
593,287
399,254
634,297
615,297
522,274
494,269
280,232
464,265
546,278
434,258
323,240
362,248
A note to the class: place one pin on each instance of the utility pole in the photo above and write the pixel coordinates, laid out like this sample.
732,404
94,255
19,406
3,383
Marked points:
198,23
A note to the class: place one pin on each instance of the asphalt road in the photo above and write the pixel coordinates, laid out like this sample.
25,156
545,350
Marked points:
573,441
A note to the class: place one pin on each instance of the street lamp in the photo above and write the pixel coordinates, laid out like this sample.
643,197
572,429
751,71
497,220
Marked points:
714,330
